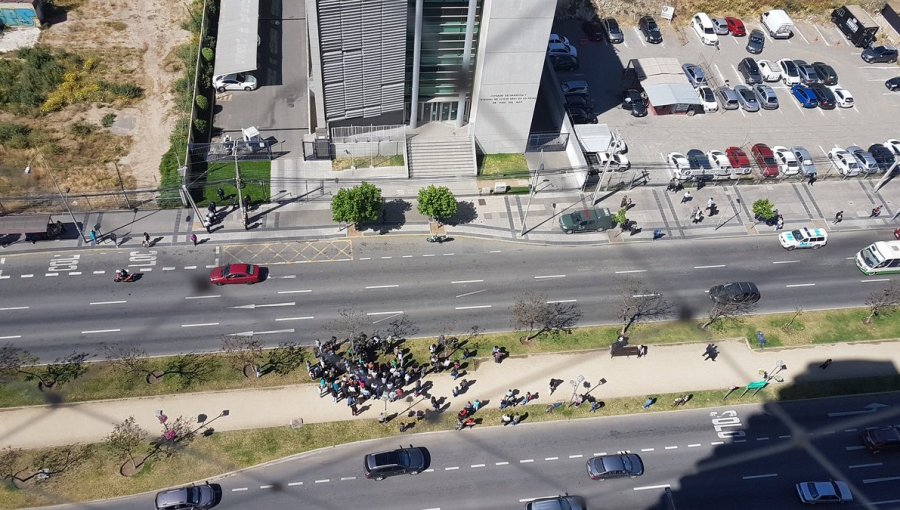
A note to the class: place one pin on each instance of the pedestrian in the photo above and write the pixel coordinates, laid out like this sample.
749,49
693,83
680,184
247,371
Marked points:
112,238
434,403
516,419
506,419
146,241
595,405
779,223
454,373
642,351
624,203
687,197
672,185
811,180
476,405
93,237
710,204
657,234
212,207
838,217
382,418
875,212
825,365
418,390
221,194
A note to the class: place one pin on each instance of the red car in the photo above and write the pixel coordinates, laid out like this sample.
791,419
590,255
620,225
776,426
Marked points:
738,159
765,160
235,273
736,27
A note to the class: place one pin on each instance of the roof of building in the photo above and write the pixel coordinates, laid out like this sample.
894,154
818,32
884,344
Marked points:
238,34
664,81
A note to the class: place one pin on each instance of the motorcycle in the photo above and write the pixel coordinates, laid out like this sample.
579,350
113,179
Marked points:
436,239
125,277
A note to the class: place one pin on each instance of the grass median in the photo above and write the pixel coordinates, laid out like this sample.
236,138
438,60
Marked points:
96,477
104,381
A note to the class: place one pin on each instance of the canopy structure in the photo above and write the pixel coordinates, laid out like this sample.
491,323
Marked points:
238,35
668,89
665,94
24,224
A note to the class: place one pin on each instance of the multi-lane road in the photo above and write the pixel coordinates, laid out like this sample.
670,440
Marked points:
52,303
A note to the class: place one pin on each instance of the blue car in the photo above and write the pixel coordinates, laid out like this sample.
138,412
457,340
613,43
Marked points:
805,95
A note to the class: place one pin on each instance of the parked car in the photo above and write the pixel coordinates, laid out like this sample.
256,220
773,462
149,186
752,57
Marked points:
650,29
766,97
594,30
865,160
557,39
236,81
880,55
617,162
790,75
700,166
586,220
694,74
844,162
842,96
805,237
236,274
581,115
825,73
893,84
195,497
736,27
824,96
680,166
756,41
564,62
636,102
750,71
556,503
878,439
894,145
736,292
832,491
805,96
703,27
765,160
727,98
740,163
562,49
402,461
720,163
708,99
787,162
619,465
769,71
578,101
808,74
807,166
720,25
614,34
747,98
575,87
883,157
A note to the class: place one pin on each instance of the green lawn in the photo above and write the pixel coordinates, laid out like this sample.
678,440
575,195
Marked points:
340,164
254,174
502,165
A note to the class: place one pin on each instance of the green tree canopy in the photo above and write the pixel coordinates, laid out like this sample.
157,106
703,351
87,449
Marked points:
764,209
437,202
361,204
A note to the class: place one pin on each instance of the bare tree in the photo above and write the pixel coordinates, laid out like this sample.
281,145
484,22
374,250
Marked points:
285,358
10,463
882,302
786,327
350,323
190,368
129,359
639,302
61,371
127,438
727,310
13,360
243,351
533,313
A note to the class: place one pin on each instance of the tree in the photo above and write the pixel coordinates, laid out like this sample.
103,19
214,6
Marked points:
175,436
362,204
129,359
621,218
882,302
764,209
127,438
641,303
285,358
437,202
243,351
532,312
10,465
13,360
727,310
350,323
61,371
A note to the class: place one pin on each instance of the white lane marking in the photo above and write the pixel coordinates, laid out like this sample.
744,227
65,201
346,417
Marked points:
265,486
504,463
495,251
75,273
785,261
172,268
385,258
269,305
526,461
632,271
12,337
104,303
51,274
824,40
551,458
294,484
466,281
849,430
287,277
801,33
449,254
754,477
304,291
398,312
786,436
886,502
472,307
526,500
19,308
272,332
345,478
716,443
852,448
470,293
294,318
365,258
89,332
876,280
645,295
209,266
382,286
190,267
429,470
199,325
239,489
406,257
801,285
739,441
203,297
879,480
650,487
671,447
32,276
428,255
562,301
762,438
695,445
874,464
576,456
477,465
452,468
549,276
647,449
323,481
599,454
709,267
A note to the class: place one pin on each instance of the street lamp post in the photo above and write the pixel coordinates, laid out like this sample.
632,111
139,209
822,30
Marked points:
575,384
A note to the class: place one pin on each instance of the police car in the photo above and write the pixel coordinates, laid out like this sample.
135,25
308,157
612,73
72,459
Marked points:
803,238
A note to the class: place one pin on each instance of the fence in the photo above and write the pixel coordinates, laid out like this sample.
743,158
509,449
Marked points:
231,150
82,202
353,134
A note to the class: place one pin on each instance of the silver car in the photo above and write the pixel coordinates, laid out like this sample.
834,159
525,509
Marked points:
866,162
727,98
766,97
747,98
805,158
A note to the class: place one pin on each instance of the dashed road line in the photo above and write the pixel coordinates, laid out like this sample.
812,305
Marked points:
883,479
526,461
190,267
101,303
429,255
671,448
398,312
709,267
800,285
576,456
858,466
326,480
203,297
294,484
477,466
562,301
32,276
198,325
91,332
551,458
16,308
754,477
294,318
239,489
382,286
449,254
647,449
11,337
785,261
762,438
504,463
472,307
303,291
265,486
345,478
632,271
455,282
549,276
651,487
451,468
695,445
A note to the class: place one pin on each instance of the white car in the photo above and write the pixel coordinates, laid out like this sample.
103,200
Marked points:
893,145
706,31
679,164
844,162
786,160
617,162
720,163
769,71
804,237
832,491
237,81
708,99
790,74
562,49
842,96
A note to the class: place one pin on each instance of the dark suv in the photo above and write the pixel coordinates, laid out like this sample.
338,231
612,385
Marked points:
403,461
737,292
587,220
882,438
880,55
196,497
750,71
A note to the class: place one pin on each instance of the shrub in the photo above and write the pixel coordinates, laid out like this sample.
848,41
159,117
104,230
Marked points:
35,73
15,136
108,120
81,129
764,209
126,90
202,102
208,54
201,126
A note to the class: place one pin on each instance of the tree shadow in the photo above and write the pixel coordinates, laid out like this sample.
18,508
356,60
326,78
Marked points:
465,213
393,216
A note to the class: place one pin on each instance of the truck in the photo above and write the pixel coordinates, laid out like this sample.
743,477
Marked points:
777,23
856,25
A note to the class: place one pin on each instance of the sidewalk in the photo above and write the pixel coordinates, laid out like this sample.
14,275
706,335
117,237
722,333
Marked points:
665,369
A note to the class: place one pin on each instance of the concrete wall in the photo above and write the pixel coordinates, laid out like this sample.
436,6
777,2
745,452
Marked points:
511,52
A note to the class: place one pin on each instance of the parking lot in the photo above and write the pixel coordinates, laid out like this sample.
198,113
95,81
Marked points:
872,120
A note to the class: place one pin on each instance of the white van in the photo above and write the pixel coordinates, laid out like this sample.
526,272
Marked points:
703,25
882,257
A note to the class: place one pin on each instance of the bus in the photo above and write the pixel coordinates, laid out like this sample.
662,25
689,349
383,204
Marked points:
882,257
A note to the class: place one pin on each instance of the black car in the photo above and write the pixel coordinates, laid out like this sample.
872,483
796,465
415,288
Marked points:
824,95
579,101
750,71
883,156
826,73
880,55
594,30
564,62
614,34
737,292
650,30
556,503
700,165
582,115
403,461
620,465
756,41
893,84
195,497
635,102
882,438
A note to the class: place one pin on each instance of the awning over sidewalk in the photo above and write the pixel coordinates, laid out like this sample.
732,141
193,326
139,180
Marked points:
24,224
237,37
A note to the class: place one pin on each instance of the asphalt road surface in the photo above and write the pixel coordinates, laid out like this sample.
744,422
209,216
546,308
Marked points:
53,303
740,457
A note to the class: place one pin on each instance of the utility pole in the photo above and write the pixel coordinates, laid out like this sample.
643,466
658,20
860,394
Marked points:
62,197
237,185
121,185
534,181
